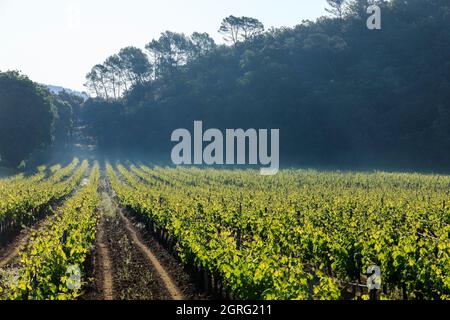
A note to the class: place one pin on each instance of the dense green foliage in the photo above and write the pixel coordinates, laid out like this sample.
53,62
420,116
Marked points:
58,247
22,199
341,94
26,116
68,108
32,119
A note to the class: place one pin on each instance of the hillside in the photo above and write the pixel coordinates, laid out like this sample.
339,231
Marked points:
58,89
342,95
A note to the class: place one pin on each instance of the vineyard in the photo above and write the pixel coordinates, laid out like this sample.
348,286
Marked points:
207,233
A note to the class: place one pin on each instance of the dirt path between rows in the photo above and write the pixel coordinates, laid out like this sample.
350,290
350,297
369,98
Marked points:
128,263
165,277
105,263
133,277
11,252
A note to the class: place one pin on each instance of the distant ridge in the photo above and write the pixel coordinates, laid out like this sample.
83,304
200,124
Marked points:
58,89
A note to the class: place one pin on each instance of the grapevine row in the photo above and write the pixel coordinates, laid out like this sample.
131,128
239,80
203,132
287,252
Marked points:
59,250
300,234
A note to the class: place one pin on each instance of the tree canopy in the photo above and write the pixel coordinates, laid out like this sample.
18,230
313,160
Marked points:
341,95
26,117
239,29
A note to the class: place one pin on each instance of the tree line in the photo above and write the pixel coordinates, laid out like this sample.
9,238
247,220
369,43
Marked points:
132,66
33,121
341,95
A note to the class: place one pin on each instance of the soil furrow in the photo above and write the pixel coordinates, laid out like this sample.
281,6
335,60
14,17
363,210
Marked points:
105,263
165,277
10,253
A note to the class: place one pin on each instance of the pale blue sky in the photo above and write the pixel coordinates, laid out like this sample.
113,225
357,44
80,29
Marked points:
58,41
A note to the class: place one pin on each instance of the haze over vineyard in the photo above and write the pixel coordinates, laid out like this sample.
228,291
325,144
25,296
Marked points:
93,207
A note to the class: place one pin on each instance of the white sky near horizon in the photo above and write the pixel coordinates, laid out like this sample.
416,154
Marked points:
58,41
